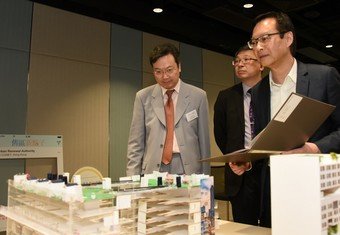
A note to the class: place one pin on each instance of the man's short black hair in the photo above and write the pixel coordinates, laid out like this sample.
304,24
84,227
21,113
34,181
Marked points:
283,24
242,48
163,50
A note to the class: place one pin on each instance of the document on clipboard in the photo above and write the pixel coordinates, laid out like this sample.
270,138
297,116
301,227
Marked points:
294,123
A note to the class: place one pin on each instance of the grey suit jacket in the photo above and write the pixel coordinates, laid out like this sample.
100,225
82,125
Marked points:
148,129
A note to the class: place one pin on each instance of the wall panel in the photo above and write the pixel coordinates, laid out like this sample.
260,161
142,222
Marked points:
64,34
8,168
126,48
69,85
191,60
148,79
124,85
217,69
15,24
71,98
125,81
13,91
15,28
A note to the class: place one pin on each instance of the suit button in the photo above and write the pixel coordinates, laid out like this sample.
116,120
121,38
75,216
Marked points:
161,145
158,165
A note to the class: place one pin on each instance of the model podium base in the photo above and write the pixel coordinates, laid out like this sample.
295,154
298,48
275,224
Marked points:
153,205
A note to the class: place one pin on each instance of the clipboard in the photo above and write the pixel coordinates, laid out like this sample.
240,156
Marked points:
295,122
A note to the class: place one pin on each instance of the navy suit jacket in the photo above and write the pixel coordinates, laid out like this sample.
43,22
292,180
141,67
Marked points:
319,82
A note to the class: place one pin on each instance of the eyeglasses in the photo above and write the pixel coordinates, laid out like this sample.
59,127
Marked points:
263,39
160,72
236,62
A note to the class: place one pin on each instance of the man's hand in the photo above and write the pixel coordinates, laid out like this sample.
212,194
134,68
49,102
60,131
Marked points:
308,147
239,168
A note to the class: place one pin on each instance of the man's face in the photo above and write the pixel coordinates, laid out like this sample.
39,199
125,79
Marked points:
270,49
247,66
166,71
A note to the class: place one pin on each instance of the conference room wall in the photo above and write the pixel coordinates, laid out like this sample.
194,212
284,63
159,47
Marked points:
82,78
15,27
68,87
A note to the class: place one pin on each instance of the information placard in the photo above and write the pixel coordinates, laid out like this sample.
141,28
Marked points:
32,146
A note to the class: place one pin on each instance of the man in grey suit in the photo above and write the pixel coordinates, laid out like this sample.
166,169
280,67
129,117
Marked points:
149,128
273,41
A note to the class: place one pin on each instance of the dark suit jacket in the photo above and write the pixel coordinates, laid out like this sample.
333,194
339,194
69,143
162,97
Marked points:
229,130
315,81
229,126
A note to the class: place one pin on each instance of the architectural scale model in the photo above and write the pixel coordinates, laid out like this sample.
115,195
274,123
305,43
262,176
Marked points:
158,203
305,194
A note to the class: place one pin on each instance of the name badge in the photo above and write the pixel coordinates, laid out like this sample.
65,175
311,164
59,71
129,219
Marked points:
191,115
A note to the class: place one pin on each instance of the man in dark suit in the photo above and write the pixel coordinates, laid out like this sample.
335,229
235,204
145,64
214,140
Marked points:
232,129
273,42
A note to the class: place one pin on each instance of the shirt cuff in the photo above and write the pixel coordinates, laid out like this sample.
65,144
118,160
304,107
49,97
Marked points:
250,166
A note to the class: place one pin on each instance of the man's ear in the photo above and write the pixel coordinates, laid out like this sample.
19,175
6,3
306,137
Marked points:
289,38
179,67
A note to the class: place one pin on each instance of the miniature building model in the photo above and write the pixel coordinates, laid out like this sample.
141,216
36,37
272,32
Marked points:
178,211
305,194
49,207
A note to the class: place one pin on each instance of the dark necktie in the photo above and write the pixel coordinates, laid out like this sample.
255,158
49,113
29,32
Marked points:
169,139
251,116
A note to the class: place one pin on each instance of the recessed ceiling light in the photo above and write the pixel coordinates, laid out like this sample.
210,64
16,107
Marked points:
329,46
158,10
248,5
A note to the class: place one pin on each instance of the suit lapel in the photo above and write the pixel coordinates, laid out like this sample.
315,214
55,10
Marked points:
182,102
158,104
261,99
266,103
240,106
302,82
239,102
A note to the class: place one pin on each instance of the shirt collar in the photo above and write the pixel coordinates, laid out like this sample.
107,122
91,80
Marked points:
292,75
176,88
245,89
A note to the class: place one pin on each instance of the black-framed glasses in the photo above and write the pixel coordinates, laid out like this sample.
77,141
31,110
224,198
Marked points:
236,62
263,39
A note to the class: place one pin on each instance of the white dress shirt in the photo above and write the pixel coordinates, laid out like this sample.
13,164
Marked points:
246,105
280,92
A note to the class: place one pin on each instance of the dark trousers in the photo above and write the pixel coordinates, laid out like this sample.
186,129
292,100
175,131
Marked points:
265,211
245,204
